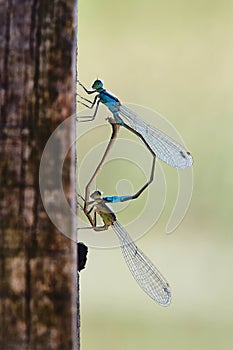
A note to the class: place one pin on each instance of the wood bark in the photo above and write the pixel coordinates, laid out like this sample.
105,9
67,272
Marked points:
36,94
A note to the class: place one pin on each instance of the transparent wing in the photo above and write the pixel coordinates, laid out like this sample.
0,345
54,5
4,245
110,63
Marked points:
142,269
166,149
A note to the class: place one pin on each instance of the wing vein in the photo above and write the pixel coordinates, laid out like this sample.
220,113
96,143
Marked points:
143,270
162,145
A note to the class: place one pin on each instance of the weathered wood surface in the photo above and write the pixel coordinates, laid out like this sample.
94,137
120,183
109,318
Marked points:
36,94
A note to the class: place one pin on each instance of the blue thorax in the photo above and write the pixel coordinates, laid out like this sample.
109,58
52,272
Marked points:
106,97
111,102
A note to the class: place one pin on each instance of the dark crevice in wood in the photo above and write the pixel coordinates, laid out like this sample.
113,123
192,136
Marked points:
5,79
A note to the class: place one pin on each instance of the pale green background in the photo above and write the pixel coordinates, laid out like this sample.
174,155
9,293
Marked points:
174,57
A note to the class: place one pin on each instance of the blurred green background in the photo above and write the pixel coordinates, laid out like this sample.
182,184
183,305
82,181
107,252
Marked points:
174,57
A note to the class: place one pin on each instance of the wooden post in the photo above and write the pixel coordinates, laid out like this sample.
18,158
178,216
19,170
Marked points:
37,263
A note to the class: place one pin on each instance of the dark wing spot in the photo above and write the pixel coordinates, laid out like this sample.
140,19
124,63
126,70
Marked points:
182,154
